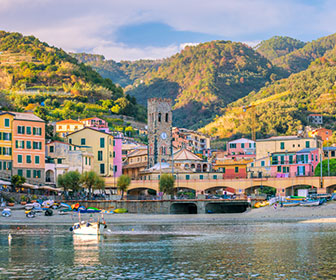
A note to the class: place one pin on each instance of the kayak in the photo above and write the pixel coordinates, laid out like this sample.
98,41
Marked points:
120,210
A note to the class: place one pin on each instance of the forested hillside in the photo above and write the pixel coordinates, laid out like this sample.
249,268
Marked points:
34,75
278,46
283,107
298,60
205,78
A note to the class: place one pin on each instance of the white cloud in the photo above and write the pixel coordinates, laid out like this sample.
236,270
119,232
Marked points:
91,25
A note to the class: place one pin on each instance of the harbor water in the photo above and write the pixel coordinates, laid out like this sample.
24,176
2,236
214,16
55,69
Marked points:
171,251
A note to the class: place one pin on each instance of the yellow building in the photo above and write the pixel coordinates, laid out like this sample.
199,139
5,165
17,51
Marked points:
135,162
279,144
6,124
102,147
63,128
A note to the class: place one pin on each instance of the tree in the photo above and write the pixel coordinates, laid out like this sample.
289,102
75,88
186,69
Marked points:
332,168
69,180
123,182
17,181
92,180
166,184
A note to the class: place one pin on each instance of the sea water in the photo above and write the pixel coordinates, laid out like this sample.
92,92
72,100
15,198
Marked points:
179,251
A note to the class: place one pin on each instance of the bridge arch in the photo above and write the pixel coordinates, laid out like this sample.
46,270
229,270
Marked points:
142,191
184,192
331,188
219,190
293,190
183,208
261,189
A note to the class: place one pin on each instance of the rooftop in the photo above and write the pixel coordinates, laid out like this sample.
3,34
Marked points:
184,154
24,116
69,121
306,150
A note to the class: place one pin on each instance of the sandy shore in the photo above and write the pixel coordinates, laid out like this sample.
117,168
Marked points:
321,214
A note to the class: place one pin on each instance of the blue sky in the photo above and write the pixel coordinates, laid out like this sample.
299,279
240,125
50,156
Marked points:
135,29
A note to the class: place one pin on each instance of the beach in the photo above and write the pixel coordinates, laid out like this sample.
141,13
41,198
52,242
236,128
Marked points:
321,214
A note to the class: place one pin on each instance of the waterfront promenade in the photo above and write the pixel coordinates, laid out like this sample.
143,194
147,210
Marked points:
283,186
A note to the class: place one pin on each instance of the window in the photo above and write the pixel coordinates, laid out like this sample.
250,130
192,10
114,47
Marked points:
284,169
28,130
19,144
113,154
19,158
70,141
21,129
312,157
232,146
20,172
114,144
167,117
236,169
37,159
201,177
100,155
83,141
86,160
282,160
37,130
307,144
59,161
28,144
28,173
37,173
0,165
37,145
7,136
250,145
102,142
290,159
274,160
282,145
28,159
187,177
159,117
6,151
262,163
214,177
89,161
51,149
115,168
242,145
102,168
279,168
6,122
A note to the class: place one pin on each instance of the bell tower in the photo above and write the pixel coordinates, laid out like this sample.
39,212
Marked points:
159,120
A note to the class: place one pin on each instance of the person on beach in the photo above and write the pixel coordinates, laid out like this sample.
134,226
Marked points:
275,205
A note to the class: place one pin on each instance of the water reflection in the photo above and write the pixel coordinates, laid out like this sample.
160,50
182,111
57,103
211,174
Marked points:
269,251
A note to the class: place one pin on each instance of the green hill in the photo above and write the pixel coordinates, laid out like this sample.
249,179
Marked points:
278,46
299,60
283,107
203,79
34,74
123,73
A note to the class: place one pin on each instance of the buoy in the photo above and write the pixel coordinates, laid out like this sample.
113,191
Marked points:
132,229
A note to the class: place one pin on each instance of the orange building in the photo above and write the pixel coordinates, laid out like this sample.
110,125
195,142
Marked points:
324,133
28,157
64,128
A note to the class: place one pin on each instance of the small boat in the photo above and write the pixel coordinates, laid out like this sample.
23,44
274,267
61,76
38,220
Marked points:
290,204
89,228
120,210
309,203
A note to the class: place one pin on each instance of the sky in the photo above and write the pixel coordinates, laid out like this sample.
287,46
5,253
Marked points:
152,29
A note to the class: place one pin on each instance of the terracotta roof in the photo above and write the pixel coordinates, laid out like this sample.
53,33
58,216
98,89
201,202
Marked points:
91,119
135,165
184,154
69,122
138,152
96,130
24,116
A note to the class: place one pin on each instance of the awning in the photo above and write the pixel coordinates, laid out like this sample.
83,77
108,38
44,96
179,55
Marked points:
29,186
48,188
2,182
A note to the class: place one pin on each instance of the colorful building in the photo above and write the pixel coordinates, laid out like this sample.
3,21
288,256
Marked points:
63,157
292,164
193,141
185,159
135,162
232,169
279,145
324,133
329,152
241,149
106,150
22,146
96,123
65,127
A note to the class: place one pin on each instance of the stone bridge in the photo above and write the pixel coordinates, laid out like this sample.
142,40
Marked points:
283,186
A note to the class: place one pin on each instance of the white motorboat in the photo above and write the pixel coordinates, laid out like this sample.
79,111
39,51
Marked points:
90,227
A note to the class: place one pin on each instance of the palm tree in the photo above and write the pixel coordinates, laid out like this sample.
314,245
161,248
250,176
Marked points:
123,182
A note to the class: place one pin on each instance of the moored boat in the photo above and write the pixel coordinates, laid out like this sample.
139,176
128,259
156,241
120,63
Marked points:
290,204
89,228
309,203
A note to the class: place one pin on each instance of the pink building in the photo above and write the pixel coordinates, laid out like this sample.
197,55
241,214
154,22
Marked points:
292,164
117,162
241,149
96,123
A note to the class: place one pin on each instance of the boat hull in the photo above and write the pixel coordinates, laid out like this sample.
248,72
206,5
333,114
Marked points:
89,229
